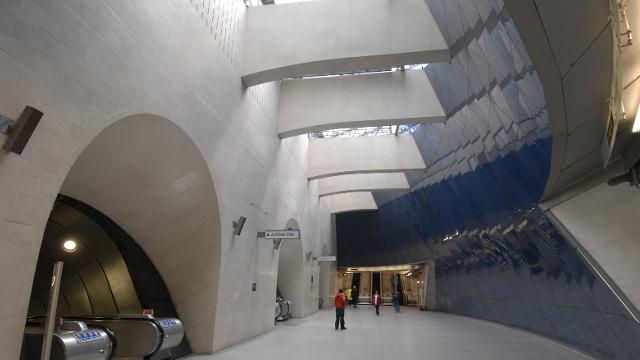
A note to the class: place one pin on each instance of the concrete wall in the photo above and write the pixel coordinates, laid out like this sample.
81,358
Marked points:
89,64
429,278
308,38
606,222
392,98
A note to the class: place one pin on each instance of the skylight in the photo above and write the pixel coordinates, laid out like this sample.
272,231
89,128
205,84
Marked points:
270,2
365,131
278,2
369,71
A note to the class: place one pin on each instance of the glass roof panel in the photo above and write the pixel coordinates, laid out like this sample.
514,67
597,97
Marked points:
365,131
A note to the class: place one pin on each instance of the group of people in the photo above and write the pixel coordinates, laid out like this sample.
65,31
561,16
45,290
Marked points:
350,296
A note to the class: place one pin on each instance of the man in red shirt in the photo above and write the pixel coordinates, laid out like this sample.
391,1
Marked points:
341,303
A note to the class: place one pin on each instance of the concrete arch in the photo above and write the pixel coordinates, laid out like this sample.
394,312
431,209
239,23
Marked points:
147,174
375,99
291,274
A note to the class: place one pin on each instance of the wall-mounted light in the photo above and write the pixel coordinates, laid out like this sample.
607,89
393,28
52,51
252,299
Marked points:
70,245
19,131
238,225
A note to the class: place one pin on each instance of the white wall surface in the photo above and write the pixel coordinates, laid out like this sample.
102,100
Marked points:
365,154
315,37
392,98
87,65
606,222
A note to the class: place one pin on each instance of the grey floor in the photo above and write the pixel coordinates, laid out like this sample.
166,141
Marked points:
408,335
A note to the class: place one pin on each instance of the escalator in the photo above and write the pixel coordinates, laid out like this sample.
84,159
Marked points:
282,307
108,288
355,281
375,283
397,280
117,337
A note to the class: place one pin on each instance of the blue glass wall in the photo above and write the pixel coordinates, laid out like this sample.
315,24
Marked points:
505,264
474,209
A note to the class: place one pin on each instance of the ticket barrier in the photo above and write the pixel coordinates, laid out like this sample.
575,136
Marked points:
72,340
137,336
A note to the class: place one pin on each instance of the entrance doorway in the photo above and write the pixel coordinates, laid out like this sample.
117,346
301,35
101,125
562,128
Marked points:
375,283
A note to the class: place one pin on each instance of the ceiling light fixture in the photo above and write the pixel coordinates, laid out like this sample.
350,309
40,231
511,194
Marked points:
70,246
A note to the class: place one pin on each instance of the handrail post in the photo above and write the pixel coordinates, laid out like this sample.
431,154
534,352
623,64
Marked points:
54,292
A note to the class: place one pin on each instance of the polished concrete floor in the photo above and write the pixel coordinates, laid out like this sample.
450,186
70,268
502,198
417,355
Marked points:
408,335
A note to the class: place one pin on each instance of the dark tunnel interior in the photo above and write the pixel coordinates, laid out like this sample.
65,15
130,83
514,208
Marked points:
107,274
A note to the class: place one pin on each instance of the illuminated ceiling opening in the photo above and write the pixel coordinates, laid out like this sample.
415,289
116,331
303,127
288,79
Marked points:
365,131
271,2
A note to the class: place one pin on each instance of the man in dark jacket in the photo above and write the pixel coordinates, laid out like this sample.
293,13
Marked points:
396,300
341,303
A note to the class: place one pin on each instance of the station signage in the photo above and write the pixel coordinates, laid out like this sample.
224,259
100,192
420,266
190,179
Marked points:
280,234
326,258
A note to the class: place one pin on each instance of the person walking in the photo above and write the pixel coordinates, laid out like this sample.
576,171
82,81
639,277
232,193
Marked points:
396,300
355,296
377,301
341,303
349,295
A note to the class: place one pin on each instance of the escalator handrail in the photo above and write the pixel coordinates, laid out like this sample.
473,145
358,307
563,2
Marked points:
134,317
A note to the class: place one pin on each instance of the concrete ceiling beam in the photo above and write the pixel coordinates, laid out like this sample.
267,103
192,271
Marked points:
362,182
357,201
331,36
362,155
379,99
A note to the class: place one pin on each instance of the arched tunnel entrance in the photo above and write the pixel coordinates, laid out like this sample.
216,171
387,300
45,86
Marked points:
105,274
140,203
290,283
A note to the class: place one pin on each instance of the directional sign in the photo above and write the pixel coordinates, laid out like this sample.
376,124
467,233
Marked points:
326,258
280,234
